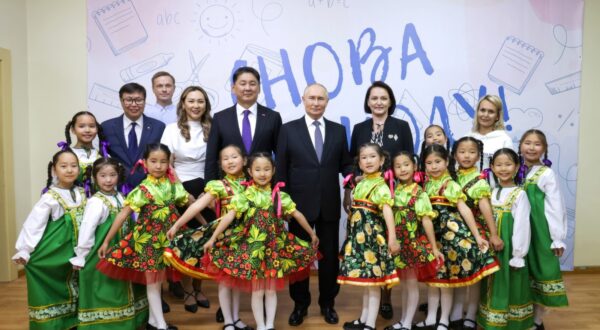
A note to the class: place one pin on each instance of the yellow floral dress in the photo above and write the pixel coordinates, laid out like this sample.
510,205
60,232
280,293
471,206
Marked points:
475,188
464,262
366,260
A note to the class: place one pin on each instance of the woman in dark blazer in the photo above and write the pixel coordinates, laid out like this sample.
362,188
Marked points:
392,134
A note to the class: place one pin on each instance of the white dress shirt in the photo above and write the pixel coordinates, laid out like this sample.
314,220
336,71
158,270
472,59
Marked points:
167,114
83,157
46,209
189,156
138,128
521,235
251,117
312,128
554,206
492,141
95,214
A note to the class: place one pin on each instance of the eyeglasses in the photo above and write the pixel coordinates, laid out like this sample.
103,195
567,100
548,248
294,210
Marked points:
132,101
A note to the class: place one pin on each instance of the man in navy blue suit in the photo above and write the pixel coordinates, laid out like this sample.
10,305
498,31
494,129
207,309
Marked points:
129,133
247,124
312,152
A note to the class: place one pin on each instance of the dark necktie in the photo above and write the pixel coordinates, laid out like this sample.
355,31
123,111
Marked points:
247,132
318,140
132,143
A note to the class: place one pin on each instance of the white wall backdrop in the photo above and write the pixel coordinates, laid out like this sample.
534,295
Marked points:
439,56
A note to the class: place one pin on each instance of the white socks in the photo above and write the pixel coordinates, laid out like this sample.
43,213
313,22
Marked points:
410,301
270,308
538,313
374,296
459,301
473,294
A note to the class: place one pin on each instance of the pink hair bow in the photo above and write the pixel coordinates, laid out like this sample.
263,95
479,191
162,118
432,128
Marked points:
171,174
348,180
485,174
140,162
419,177
277,193
389,177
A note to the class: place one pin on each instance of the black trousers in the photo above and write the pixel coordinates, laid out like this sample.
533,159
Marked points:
329,265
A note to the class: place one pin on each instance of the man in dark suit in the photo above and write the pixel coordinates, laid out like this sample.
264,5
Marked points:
247,124
129,133
311,153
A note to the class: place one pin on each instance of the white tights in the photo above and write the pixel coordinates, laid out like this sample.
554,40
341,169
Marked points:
229,300
370,306
259,308
156,318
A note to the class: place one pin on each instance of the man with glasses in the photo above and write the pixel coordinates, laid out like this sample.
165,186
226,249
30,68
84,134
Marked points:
129,133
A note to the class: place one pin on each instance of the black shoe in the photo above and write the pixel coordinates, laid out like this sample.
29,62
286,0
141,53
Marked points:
386,311
456,324
230,325
423,326
176,289
192,308
165,307
423,308
471,325
297,316
330,315
241,328
395,326
204,303
539,326
219,316
353,325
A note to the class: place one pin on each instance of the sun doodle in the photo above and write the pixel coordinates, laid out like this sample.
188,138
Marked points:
217,20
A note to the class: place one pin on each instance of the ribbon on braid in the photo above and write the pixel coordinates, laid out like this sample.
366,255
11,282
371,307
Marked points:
348,181
87,187
522,174
140,162
419,177
276,192
45,190
104,148
389,177
247,183
171,174
547,162
126,189
63,145
485,174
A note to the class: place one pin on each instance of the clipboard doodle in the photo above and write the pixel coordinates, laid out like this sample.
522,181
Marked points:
120,25
515,64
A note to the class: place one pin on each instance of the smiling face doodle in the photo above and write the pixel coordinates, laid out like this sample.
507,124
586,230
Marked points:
216,21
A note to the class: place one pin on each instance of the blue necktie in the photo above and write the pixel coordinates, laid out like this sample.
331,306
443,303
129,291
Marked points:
318,140
132,143
247,132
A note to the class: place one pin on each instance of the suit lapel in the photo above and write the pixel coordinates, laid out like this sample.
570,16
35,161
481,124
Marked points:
304,136
261,118
146,133
328,139
231,117
120,133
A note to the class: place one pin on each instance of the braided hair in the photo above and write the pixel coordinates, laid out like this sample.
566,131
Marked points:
382,153
52,163
436,149
477,142
71,126
103,162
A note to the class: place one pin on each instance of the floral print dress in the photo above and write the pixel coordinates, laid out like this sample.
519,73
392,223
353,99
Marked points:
464,262
366,260
475,187
257,252
416,259
187,248
138,257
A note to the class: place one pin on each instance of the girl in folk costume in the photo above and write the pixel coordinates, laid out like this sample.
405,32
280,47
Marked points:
258,254
467,151
419,257
466,256
46,243
85,127
138,257
187,247
367,257
505,296
103,302
548,224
